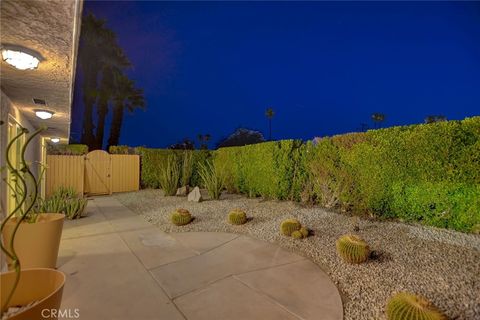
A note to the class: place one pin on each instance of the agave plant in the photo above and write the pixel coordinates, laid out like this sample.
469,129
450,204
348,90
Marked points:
74,208
65,192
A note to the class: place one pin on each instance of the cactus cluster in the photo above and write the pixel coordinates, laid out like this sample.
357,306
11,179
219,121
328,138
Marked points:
353,249
407,306
181,217
293,228
237,217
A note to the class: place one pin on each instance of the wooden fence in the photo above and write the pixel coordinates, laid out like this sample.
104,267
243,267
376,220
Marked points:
95,173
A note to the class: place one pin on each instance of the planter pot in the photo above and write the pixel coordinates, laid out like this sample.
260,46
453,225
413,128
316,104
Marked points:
44,286
36,243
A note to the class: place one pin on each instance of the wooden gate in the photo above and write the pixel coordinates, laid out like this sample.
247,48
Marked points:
98,173
95,173
64,171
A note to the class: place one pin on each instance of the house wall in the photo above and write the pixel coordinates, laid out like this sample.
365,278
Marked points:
33,153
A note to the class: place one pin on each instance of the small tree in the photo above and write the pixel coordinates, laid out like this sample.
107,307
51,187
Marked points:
378,118
270,113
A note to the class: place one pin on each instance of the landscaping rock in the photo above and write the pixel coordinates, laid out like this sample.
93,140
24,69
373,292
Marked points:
441,265
195,195
182,192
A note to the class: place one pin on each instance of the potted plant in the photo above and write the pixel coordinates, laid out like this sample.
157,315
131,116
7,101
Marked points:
27,292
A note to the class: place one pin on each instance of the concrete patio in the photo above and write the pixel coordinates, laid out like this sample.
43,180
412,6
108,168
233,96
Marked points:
119,266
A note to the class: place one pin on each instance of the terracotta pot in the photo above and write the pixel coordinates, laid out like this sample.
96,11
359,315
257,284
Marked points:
36,243
42,285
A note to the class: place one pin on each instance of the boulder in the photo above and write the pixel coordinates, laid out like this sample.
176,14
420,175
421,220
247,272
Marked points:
182,192
195,195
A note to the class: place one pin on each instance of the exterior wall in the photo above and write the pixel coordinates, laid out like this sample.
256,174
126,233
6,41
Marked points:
33,153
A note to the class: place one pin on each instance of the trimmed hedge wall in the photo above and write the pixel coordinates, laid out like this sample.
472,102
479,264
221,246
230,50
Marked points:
67,149
152,160
428,173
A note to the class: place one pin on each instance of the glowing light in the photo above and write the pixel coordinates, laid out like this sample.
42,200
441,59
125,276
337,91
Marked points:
44,114
19,59
55,140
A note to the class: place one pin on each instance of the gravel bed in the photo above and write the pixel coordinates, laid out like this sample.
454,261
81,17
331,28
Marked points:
441,265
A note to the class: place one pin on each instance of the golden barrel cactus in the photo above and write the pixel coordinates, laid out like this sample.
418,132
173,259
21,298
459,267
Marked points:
353,249
288,226
181,217
407,306
237,217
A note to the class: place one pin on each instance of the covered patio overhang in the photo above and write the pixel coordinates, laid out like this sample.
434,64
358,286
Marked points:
51,29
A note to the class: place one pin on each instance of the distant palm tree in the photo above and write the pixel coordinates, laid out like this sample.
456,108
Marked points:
127,97
270,113
378,118
435,118
204,138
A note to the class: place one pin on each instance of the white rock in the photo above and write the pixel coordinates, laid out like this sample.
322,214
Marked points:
195,195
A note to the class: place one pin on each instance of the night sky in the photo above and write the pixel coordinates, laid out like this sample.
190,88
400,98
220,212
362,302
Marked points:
323,67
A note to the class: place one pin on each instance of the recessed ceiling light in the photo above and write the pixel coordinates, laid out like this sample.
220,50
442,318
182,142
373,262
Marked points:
44,114
21,58
55,140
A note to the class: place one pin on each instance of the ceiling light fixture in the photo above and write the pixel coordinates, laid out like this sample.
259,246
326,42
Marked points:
21,58
44,114
55,140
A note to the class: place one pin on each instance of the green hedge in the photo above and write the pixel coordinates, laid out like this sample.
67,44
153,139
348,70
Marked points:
152,160
67,149
266,169
428,173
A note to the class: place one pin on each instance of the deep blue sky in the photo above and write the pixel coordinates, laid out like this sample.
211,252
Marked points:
324,67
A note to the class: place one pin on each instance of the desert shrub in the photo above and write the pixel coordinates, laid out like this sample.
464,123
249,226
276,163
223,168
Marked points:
75,207
65,192
407,306
64,200
187,167
152,162
352,249
200,157
212,179
169,176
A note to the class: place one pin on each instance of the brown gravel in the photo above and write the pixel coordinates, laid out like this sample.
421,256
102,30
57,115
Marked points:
441,265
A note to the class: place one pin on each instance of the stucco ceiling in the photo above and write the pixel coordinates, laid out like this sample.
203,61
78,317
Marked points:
50,27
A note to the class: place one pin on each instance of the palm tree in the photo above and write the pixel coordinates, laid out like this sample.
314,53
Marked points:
90,46
378,118
126,97
111,77
100,58
204,138
270,113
